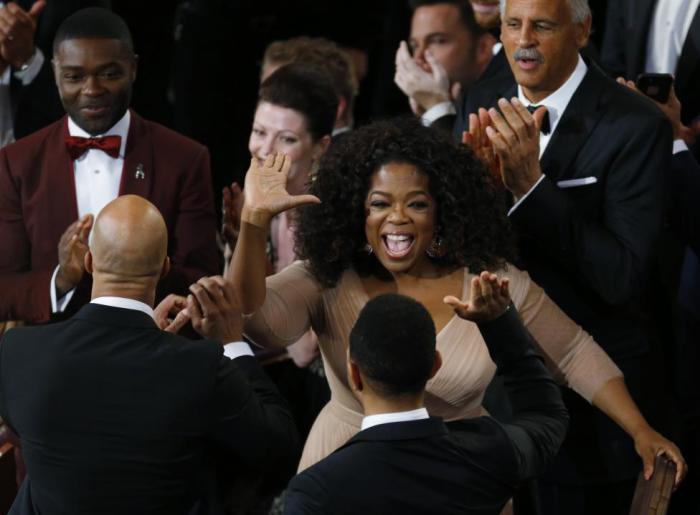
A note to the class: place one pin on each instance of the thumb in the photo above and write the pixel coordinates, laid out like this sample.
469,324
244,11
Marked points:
539,115
300,200
36,9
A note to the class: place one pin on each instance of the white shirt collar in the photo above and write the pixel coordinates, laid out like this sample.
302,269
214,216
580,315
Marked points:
124,303
398,416
121,128
556,102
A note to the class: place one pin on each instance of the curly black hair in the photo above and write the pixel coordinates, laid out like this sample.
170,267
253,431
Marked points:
470,216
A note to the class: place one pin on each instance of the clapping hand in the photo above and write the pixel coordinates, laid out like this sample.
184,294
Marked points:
265,194
231,220
480,144
170,314
215,311
17,28
488,299
72,248
424,88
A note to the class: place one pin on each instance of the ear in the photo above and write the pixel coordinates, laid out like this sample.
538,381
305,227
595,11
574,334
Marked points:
342,108
436,364
166,267
583,32
321,147
354,377
87,261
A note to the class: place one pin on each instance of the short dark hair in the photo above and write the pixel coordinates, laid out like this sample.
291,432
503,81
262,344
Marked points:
324,53
94,22
306,89
466,13
393,345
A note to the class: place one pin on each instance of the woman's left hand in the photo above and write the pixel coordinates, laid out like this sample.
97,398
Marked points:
649,444
488,299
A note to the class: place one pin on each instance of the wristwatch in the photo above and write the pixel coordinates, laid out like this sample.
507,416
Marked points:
28,63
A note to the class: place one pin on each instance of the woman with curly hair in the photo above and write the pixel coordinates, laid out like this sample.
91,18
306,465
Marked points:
396,207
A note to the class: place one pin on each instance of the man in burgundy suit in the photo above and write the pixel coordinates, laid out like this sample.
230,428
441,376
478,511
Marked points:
55,181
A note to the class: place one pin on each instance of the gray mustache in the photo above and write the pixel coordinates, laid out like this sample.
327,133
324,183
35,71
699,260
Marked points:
528,53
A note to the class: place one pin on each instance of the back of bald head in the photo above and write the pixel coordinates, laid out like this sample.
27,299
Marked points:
129,240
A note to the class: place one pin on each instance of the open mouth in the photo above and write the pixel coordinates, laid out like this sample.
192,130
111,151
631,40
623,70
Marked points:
398,246
485,7
528,64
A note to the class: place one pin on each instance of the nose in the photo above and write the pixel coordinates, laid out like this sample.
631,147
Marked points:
92,86
419,55
526,37
264,147
397,215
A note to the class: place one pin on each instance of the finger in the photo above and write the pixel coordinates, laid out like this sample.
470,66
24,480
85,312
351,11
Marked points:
301,200
538,116
461,308
206,303
514,120
286,164
280,159
178,322
527,118
475,129
648,463
504,287
467,139
195,312
485,282
37,8
438,72
499,143
476,291
501,125
270,160
214,289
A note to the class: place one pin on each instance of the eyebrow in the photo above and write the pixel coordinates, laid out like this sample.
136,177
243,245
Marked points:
386,194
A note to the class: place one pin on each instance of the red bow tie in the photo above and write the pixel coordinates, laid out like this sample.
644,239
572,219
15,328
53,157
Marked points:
77,146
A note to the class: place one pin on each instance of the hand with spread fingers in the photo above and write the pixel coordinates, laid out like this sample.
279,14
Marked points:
478,141
72,248
17,28
649,444
171,314
424,88
232,206
214,310
265,193
515,136
488,299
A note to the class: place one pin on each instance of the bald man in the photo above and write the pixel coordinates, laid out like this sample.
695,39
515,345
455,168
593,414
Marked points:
115,414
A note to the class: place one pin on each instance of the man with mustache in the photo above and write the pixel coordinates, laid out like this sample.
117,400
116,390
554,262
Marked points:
585,177
55,181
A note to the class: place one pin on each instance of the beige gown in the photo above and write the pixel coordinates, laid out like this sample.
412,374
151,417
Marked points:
295,301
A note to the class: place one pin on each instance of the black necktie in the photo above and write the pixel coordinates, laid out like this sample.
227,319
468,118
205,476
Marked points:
545,127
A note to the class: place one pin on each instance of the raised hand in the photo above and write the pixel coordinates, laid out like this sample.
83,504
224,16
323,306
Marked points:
72,248
515,136
231,220
170,314
265,194
480,144
215,310
423,88
488,299
17,28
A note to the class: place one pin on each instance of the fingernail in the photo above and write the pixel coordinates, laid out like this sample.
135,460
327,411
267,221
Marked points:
515,101
502,102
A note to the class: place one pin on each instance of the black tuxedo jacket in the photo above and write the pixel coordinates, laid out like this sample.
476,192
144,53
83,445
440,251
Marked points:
114,415
587,232
625,49
684,185
420,467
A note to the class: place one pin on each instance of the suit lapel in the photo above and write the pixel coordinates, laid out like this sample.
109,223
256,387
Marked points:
690,56
61,179
576,124
137,174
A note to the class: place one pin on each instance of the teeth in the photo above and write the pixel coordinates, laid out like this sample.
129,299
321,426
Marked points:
397,237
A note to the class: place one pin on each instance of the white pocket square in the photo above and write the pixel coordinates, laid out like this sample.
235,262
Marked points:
572,183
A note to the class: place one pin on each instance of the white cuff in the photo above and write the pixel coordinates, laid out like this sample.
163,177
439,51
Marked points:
58,305
679,146
437,111
28,75
235,350
520,200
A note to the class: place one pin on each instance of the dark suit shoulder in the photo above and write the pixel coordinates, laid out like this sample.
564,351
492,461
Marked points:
32,143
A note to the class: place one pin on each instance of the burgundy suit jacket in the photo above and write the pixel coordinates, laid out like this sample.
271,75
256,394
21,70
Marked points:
38,202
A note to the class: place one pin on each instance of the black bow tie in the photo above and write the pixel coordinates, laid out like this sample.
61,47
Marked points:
545,127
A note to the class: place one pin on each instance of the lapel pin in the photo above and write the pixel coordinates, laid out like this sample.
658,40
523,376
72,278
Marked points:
140,174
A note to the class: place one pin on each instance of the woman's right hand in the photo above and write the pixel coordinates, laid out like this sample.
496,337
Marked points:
488,299
265,194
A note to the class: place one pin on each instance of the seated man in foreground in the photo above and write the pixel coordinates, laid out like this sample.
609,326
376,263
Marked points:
114,414
403,461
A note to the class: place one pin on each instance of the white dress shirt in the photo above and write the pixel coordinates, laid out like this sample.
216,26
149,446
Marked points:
668,31
97,178
7,130
398,416
231,350
556,104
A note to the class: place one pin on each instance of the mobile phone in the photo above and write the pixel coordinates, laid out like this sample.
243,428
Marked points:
655,85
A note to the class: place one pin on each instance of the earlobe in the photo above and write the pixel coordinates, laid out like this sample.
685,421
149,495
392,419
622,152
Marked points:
166,267
87,261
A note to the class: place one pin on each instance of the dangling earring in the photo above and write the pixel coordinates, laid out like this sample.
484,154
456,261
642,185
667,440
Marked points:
435,249
313,172
368,249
